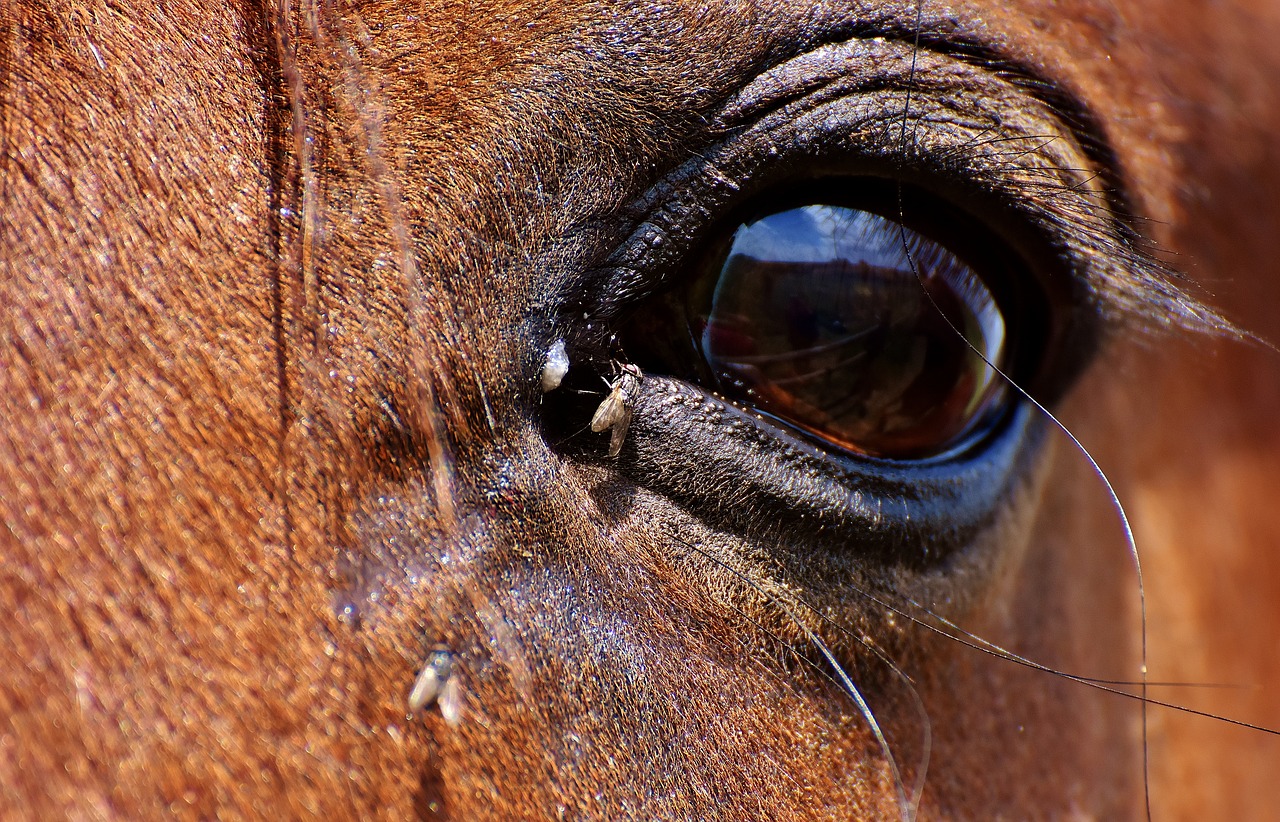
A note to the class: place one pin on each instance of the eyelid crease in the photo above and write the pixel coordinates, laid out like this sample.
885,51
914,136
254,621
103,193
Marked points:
1136,291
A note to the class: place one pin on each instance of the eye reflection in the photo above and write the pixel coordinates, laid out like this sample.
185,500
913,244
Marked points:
818,318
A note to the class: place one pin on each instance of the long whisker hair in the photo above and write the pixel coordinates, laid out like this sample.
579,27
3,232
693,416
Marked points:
1127,528
908,801
1191,314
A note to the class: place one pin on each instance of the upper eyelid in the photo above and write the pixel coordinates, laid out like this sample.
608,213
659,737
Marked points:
1132,285
1076,118
918,72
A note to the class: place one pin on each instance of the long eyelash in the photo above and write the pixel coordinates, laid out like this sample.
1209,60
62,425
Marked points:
1110,686
1130,540
941,626
884,598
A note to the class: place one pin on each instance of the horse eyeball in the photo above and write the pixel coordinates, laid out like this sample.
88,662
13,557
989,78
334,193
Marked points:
865,333
853,328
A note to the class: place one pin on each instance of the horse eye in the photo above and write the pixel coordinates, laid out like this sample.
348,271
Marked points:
846,325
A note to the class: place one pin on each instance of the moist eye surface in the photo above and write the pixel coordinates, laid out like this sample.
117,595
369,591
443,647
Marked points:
844,324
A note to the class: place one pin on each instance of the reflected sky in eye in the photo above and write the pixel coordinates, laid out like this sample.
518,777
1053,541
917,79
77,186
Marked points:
850,326
822,234
819,234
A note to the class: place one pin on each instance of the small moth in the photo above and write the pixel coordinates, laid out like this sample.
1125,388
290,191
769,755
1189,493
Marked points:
615,412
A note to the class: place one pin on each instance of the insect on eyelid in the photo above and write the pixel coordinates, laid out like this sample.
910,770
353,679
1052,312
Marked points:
614,413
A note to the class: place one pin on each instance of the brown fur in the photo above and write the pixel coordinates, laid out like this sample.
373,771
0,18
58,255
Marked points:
270,431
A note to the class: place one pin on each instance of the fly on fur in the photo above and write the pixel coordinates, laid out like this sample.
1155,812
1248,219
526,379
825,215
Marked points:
614,413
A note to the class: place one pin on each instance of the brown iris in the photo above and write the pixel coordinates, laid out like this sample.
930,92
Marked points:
866,335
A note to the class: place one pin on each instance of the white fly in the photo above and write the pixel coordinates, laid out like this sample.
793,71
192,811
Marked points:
432,680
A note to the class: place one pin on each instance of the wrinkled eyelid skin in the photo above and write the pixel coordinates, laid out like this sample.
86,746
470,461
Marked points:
973,136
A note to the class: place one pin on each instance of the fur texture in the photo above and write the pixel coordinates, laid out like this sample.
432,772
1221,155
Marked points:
278,285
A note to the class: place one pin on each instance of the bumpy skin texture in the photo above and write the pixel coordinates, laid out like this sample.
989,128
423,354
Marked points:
277,288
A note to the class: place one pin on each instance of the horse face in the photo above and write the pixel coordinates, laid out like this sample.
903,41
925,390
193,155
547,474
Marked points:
291,438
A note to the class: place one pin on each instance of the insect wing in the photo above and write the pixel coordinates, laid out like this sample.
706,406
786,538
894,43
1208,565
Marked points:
610,412
615,411
450,702
619,434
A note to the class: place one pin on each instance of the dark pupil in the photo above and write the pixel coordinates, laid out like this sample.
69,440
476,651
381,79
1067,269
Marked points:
818,318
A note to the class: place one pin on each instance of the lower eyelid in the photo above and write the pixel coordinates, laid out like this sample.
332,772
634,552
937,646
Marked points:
702,451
